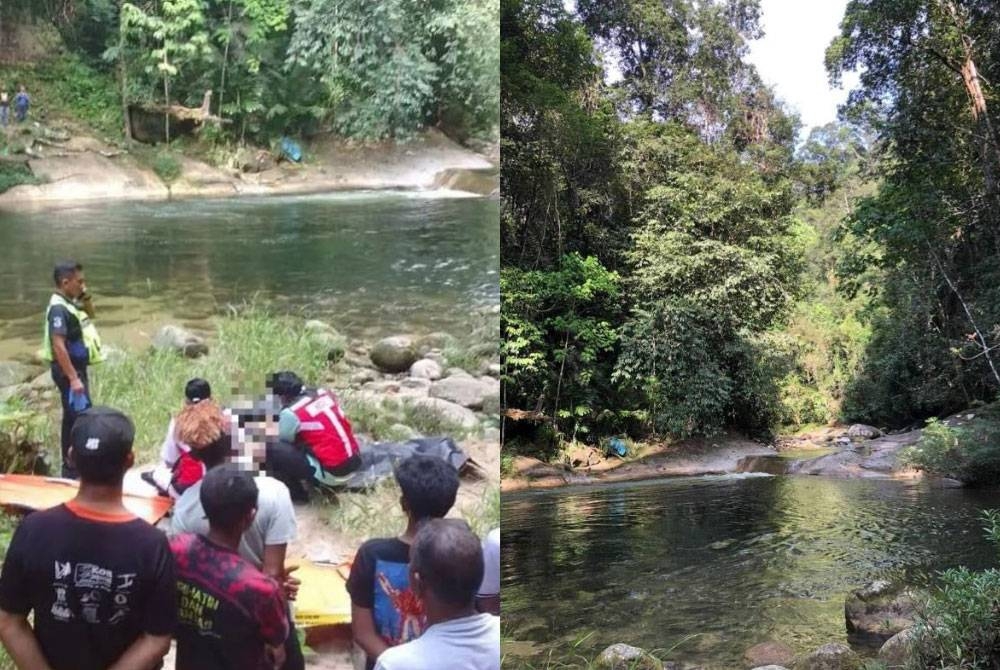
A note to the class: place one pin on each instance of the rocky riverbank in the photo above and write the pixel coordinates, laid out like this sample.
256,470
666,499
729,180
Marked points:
79,169
855,451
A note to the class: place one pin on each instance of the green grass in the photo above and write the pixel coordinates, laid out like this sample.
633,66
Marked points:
64,87
16,174
149,386
377,513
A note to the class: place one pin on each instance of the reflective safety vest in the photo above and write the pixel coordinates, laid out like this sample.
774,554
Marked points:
91,340
324,428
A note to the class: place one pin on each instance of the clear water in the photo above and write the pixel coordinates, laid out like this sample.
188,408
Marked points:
371,263
732,560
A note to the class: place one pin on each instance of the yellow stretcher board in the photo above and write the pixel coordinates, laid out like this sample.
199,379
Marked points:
33,492
322,599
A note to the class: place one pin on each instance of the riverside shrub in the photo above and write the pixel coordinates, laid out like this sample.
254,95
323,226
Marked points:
969,453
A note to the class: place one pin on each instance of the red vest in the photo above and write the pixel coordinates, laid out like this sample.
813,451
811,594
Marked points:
324,428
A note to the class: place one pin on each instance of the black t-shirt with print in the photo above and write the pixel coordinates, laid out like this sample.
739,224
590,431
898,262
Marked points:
94,582
379,581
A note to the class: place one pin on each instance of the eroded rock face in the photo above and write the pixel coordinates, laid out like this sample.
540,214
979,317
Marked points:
879,611
394,354
625,657
833,656
768,654
180,340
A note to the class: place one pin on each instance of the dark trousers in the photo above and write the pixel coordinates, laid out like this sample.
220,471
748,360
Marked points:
288,464
69,416
294,660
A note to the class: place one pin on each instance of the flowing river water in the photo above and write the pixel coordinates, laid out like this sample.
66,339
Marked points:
372,264
729,561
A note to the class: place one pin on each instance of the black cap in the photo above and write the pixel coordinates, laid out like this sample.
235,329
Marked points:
102,433
197,390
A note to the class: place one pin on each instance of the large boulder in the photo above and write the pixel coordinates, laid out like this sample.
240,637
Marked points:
768,654
625,657
426,368
327,336
833,656
878,611
466,391
15,372
896,650
394,354
448,412
861,431
180,340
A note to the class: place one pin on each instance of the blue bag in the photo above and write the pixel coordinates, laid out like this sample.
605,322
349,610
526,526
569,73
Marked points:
78,401
616,447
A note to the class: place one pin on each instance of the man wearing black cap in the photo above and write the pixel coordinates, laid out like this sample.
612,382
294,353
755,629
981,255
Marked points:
98,580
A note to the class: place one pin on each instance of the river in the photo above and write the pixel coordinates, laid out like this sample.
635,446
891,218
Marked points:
371,263
733,560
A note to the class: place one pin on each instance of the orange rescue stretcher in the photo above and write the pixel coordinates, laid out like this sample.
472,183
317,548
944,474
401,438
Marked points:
27,493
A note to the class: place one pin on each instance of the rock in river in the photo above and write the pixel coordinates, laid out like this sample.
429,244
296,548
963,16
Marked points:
175,338
625,657
879,611
394,354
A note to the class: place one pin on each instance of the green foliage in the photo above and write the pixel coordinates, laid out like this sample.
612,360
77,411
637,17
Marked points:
15,174
389,67
557,335
23,432
923,247
167,166
969,453
961,625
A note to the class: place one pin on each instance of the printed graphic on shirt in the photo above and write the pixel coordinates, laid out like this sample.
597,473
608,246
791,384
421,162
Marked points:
399,616
83,590
197,608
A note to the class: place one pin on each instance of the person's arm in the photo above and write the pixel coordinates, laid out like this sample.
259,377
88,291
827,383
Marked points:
61,355
363,628
143,654
288,426
274,567
20,642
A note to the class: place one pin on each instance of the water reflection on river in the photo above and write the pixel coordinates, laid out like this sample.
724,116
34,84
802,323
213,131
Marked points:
373,263
736,560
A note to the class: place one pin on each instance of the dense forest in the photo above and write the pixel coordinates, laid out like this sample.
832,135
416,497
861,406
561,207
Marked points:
283,67
680,257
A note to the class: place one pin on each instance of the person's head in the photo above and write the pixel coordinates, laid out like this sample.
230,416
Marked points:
196,390
22,88
101,446
219,449
68,276
429,486
446,564
286,385
229,497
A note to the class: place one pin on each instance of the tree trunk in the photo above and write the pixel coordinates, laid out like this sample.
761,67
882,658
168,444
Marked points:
225,59
123,71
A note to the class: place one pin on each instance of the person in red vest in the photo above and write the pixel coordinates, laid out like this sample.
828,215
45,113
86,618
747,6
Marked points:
312,428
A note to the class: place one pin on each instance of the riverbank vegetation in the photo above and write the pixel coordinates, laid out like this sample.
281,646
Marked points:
677,263
252,71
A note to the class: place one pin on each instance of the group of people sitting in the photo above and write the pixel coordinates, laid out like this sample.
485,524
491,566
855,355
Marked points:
312,443
104,589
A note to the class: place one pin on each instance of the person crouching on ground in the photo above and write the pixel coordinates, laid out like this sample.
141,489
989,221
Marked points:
232,615
197,425
310,424
265,542
384,611
446,569
98,581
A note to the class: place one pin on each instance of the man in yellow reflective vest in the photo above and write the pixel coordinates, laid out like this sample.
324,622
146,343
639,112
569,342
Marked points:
70,344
